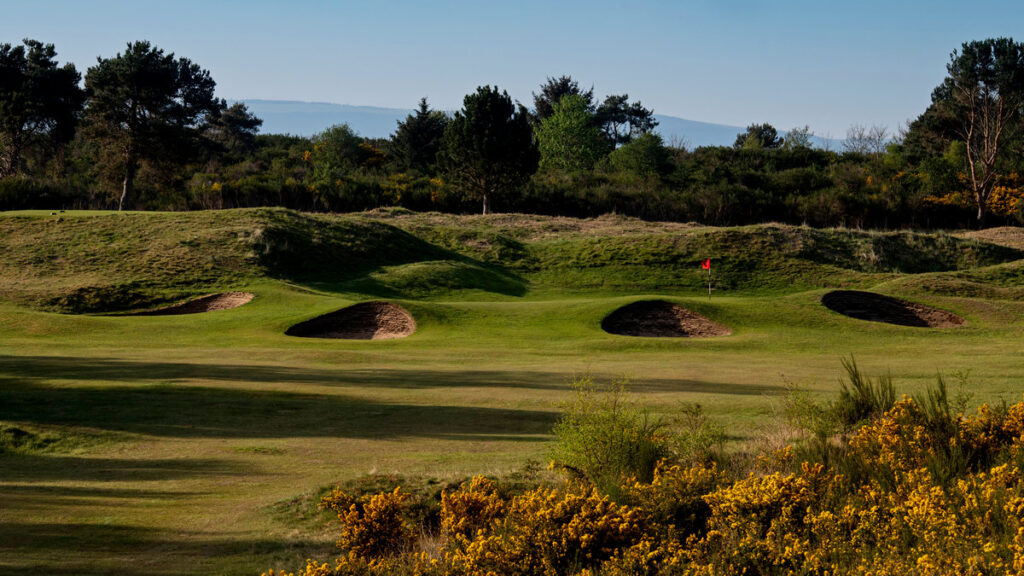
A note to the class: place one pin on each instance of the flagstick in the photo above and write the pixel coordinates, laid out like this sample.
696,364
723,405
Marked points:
709,283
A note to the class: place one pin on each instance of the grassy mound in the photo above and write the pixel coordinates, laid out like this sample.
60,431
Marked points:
111,262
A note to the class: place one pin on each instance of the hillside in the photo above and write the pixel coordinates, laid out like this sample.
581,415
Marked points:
95,262
308,118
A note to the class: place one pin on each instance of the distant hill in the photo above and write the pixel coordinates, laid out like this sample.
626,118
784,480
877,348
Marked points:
308,118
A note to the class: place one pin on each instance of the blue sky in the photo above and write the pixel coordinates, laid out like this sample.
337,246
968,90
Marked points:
790,63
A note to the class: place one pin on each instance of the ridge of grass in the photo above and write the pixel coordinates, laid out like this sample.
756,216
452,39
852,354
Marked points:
111,262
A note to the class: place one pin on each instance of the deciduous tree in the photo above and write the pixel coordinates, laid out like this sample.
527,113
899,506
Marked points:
568,139
984,93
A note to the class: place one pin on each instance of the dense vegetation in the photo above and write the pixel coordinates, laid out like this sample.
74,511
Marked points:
866,484
151,135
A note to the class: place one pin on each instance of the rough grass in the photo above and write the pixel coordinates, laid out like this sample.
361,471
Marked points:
207,423
112,262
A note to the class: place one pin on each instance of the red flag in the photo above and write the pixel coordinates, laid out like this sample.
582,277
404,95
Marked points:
706,265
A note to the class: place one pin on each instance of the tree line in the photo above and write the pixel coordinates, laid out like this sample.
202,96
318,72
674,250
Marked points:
144,130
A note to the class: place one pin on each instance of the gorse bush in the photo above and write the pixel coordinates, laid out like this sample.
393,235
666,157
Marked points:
910,508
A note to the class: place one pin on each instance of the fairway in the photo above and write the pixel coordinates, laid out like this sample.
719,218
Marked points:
177,441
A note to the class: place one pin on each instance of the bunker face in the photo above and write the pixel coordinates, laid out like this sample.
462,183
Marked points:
208,303
366,321
657,318
878,308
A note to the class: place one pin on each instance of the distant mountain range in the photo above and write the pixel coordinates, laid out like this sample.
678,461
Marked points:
308,118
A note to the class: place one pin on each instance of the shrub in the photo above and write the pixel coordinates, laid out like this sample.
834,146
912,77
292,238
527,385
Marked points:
372,526
605,436
860,397
470,508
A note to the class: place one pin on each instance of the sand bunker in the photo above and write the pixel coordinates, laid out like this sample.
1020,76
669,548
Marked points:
208,303
878,308
657,318
366,321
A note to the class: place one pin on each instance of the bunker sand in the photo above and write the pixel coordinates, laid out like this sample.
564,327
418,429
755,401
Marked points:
365,321
208,303
878,308
660,319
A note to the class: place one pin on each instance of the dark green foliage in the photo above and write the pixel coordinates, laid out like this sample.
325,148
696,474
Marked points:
553,90
621,121
20,192
758,136
178,148
860,397
233,129
147,106
488,148
39,102
416,142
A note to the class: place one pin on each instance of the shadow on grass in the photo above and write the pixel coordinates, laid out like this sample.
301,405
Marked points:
94,549
198,412
45,368
36,468
45,497
157,408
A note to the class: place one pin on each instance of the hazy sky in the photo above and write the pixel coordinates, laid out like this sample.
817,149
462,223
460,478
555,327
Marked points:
790,63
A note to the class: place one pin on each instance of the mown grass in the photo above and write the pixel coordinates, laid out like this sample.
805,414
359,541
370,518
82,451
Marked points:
207,422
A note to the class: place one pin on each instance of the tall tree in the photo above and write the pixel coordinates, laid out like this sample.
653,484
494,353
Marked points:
38,99
553,90
144,105
621,121
415,143
233,128
568,138
758,136
488,148
984,93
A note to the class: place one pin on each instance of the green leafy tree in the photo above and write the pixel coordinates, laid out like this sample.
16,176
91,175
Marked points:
984,94
488,148
146,105
645,156
39,100
416,142
553,90
335,153
758,136
568,139
621,121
